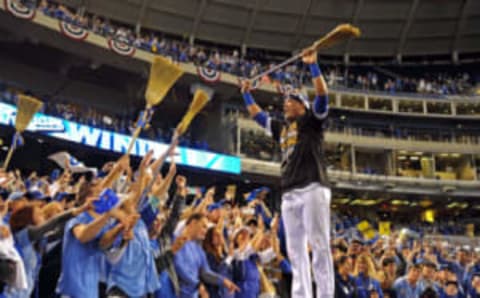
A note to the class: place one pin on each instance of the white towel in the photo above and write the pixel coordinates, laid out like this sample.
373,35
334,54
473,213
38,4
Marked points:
8,252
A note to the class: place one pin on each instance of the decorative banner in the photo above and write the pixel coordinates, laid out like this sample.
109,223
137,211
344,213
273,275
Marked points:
209,75
121,48
19,10
72,31
108,140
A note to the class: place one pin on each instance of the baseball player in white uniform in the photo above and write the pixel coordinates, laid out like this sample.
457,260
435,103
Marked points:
305,192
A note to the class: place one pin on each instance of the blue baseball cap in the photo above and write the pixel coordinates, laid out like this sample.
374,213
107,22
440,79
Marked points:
300,97
37,195
254,193
214,206
108,200
17,195
60,196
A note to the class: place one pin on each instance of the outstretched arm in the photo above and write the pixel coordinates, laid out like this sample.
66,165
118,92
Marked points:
253,108
320,103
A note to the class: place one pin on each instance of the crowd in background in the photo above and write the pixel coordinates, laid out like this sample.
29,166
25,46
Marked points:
161,131
100,235
124,232
253,62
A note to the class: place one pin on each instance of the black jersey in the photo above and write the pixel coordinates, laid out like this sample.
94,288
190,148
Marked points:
303,158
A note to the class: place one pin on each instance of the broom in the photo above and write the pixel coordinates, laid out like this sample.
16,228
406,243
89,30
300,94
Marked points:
338,34
163,74
27,106
200,99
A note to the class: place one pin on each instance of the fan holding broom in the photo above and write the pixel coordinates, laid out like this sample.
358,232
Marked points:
27,108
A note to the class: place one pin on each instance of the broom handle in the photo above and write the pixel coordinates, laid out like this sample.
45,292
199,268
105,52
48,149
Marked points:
147,189
137,131
315,46
276,67
9,157
135,135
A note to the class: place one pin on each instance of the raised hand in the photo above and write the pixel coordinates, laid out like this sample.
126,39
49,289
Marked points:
181,181
232,288
309,56
246,86
124,162
146,160
4,232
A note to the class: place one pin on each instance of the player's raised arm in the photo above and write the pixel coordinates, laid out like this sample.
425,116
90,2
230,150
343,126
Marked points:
320,103
253,109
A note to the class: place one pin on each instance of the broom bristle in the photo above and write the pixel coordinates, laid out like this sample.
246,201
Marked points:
200,99
348,30
340,33
27,106
163,74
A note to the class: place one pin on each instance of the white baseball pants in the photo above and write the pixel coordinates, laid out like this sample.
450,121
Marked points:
306,216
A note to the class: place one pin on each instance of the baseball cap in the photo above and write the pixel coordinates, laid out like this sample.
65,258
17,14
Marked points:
16,196
300,97
214,206
429,263
358,241
63,195
446,267
36,195
388,261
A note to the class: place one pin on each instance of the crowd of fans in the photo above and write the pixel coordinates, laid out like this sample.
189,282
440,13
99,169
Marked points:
255,61
254,143
102,235
425,84
161,131
128,232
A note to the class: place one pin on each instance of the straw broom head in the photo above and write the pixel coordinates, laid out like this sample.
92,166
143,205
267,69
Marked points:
200,99
163,74
338,34
27,107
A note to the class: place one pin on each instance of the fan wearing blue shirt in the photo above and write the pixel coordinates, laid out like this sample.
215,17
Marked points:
82,256
81,253
407,286
364,278
451,290
428,278
29,228
459,266
191,262
474,286
344,282
135,273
